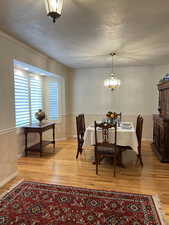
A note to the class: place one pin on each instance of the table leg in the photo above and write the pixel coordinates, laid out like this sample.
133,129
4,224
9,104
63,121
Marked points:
40,143
120,160
54,138
26,143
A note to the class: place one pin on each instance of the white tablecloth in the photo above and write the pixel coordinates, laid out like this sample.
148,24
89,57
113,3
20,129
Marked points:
125,137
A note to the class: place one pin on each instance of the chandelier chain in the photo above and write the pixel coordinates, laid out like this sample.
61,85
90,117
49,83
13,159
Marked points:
112,65
113,54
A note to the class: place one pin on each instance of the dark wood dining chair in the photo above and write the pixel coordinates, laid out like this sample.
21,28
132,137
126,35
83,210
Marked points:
139,131
83,121
104,148
119,115
80,126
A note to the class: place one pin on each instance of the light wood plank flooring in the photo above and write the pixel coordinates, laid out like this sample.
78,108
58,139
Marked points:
62,168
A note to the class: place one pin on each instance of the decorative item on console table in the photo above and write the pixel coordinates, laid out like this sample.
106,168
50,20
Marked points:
40,115
161,124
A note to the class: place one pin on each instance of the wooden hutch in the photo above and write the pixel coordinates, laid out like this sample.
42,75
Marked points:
161,124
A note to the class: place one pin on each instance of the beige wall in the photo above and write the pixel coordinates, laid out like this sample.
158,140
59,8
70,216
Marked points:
84,92
12,141
137,94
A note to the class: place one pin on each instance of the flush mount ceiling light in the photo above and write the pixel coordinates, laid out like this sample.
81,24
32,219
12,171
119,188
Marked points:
54,8
112,82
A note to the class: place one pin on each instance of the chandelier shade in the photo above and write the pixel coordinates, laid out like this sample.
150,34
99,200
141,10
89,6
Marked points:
54,8
112,82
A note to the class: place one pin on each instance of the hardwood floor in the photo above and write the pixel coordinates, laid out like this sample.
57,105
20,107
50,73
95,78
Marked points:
62,168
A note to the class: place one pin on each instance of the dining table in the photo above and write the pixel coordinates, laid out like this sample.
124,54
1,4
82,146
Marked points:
126,136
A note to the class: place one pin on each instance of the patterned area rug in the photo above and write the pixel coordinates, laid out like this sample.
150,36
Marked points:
32,203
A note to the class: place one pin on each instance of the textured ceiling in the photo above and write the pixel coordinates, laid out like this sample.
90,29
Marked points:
89,30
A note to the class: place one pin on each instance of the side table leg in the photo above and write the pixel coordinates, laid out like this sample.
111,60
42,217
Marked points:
40,143
53,138
26,143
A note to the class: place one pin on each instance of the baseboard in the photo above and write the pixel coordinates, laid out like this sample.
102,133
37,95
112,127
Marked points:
61,139
148,139
7,179
71,136
20,155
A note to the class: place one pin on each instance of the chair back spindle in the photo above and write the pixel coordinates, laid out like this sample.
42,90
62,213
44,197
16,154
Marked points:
105,130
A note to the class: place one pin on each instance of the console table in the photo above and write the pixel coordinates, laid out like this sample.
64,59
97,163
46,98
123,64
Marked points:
38,128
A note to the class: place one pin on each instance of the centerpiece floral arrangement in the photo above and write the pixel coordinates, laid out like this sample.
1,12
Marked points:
111,117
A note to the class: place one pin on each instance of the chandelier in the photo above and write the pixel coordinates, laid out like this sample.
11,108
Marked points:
112,82
54,8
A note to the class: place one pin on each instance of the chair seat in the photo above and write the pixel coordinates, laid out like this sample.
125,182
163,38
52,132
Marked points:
124,148
103,149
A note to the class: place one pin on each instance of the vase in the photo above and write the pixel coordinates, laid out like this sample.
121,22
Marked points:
110,120
40,115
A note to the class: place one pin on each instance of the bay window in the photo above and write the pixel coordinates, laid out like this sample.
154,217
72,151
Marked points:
34,92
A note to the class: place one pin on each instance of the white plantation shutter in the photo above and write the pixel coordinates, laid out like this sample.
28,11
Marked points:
35,96
53,100
21,99
28,98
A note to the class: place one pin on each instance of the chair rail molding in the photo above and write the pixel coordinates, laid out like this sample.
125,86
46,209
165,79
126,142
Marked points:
8,130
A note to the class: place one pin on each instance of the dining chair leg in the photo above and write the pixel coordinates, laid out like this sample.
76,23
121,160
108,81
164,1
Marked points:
84,153
78,151
139,159
77,154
